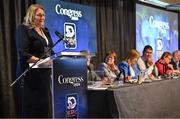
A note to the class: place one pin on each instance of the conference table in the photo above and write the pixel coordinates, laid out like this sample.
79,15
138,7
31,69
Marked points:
158,99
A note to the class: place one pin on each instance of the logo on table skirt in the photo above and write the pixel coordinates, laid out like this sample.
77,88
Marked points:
71,105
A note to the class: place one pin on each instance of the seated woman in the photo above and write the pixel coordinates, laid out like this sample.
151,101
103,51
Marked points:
129,67
109,68
164,66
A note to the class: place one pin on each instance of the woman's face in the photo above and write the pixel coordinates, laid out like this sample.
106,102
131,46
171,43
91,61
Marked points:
39,17
109,60
167,59
134,61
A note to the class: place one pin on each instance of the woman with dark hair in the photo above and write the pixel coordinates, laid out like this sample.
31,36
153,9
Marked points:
109,68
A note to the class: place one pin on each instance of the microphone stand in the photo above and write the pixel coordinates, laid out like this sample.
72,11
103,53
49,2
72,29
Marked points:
29,68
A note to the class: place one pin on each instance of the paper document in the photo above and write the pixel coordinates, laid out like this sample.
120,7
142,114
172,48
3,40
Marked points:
43,63
97,86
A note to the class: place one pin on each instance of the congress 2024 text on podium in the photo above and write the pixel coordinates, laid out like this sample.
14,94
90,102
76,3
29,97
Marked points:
69,86
59,90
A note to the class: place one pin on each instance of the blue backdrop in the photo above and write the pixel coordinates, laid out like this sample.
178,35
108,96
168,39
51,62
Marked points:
156,27
74,21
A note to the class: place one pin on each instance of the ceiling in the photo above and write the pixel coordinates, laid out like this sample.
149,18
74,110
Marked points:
168,4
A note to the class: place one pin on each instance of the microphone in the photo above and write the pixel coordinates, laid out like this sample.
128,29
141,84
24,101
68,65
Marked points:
69,43
59,35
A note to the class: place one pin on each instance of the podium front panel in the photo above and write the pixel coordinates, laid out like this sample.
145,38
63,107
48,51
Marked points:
69,88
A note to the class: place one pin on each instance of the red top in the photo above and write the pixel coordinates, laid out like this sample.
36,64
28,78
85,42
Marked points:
162,68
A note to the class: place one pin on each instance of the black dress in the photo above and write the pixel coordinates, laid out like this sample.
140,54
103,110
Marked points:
34,87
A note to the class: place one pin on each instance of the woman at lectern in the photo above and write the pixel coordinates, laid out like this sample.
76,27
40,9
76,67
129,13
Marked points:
33,42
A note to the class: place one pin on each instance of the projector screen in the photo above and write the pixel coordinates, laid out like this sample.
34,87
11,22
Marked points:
77,23
156,27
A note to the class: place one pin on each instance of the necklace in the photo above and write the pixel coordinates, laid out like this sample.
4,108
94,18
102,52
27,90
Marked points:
44,36
41,33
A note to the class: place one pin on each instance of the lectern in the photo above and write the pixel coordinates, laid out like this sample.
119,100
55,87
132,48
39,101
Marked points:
68,86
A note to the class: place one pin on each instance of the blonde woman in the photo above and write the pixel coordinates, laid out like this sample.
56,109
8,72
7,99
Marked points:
129,67
33,41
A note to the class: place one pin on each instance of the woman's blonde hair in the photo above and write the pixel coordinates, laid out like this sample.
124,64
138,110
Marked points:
133,54
30,14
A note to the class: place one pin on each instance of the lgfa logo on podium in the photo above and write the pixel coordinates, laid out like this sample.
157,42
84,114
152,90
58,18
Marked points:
71,106
70,35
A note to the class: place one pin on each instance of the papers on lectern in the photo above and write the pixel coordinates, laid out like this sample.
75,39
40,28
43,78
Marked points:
43,63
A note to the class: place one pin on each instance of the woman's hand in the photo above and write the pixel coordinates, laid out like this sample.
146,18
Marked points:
107,81
170,66
113,68
33,59
176,72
